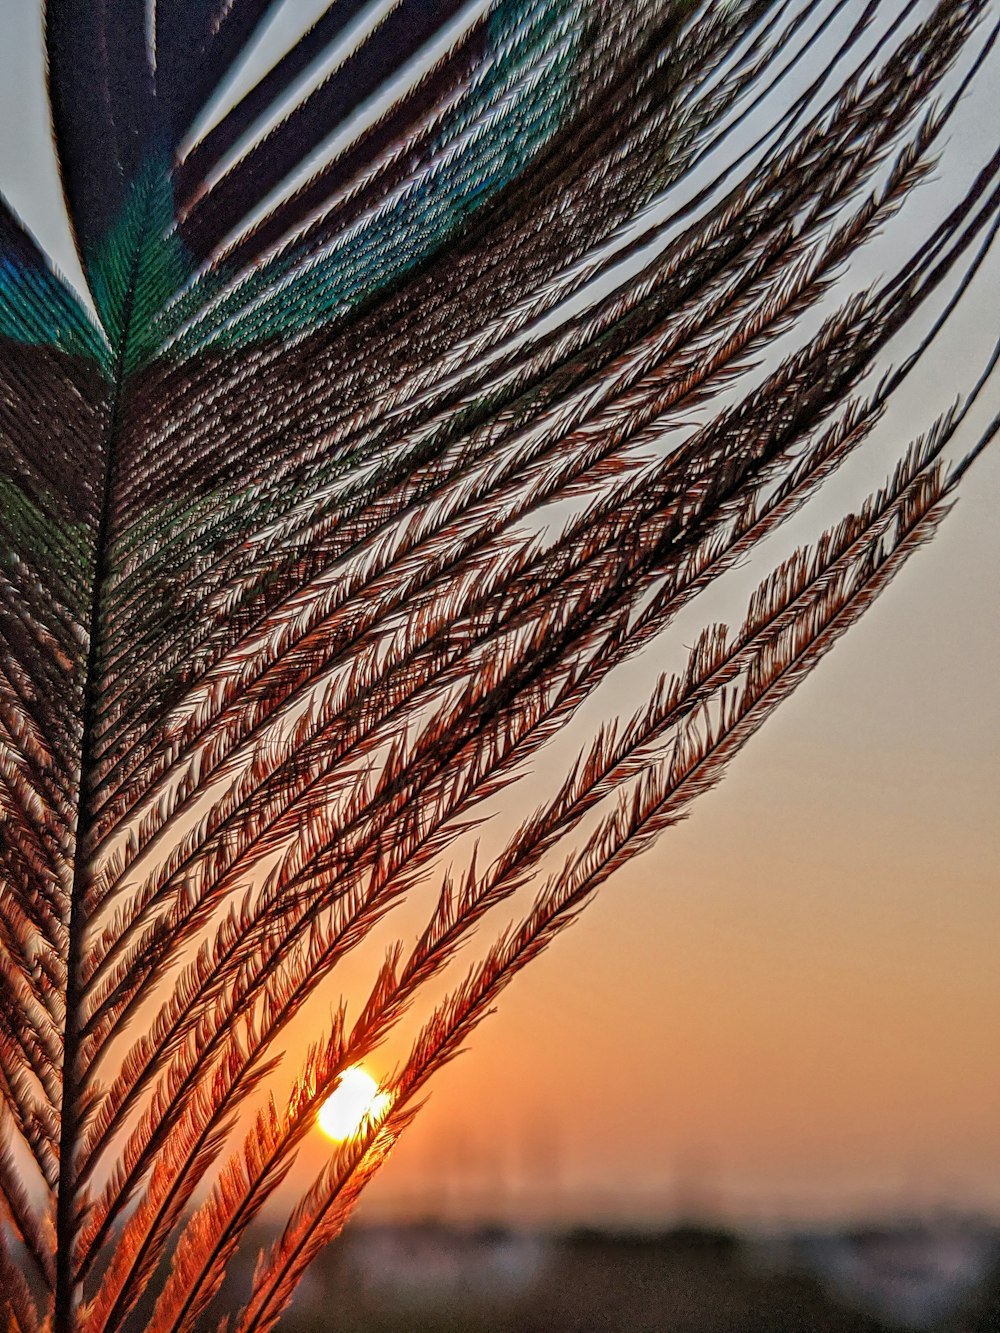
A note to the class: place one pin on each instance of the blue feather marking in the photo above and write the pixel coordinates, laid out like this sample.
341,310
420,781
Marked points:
507,116
37,307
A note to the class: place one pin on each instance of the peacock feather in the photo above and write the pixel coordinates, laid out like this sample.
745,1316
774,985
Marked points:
415,390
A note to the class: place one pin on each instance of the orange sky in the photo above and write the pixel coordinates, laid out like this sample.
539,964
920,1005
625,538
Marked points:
790,1007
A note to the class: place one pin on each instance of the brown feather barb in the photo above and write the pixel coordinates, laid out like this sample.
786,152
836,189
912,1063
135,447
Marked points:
384,438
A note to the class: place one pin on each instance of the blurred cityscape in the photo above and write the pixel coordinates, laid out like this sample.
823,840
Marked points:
931,1276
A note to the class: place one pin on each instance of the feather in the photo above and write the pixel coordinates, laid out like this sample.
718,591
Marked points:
429,381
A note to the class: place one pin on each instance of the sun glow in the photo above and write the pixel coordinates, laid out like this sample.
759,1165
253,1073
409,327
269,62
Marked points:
355,1098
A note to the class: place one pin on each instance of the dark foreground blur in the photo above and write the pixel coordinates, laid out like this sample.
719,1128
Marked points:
431,1279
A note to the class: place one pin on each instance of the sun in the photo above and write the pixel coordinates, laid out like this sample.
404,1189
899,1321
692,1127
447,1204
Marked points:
356,1097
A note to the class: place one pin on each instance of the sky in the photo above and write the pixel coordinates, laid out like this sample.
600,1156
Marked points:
790,1007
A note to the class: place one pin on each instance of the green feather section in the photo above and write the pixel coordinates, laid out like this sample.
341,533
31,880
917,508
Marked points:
35,526
139,268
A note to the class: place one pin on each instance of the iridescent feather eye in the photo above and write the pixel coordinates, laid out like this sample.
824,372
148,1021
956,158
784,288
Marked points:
420,384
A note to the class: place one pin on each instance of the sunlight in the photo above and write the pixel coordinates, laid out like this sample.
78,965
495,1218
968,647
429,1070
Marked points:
355,1097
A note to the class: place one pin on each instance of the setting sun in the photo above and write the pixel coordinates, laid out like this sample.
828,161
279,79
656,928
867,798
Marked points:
355,1097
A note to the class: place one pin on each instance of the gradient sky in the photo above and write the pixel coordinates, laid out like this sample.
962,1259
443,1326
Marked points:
790,1007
